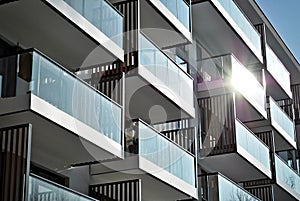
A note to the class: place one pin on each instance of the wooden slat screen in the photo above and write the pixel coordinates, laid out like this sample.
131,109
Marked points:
267,138
265,193
217,124
296,100
255,183
129,9
14,161
287,106
185,137
117,191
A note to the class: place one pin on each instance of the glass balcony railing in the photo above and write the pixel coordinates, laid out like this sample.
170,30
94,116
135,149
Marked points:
222,189
280,120
287,178
166,70
278,70
161,151
180,9
246,83
242,22
103,16
229,69
42,189
62,89
249,142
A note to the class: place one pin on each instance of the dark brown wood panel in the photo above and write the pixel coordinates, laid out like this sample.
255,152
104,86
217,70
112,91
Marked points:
117,191
14,161
217,117
185,137
265,193
296,100
267,138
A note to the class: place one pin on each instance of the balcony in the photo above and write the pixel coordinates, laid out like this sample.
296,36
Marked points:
288,180
160,77
227,29
226,140
166,22
67,115
225,74
216,187
280,123
277,77
157,161
76,32
42,189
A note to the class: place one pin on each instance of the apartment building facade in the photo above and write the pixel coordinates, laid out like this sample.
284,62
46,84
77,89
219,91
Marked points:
146,100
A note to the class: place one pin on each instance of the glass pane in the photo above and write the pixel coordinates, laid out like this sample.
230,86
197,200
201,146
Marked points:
102,15
71,95
247,84
166,70
180,9
40,189
230,191
165,154
286,177
183,13
282,120
278,70
247,140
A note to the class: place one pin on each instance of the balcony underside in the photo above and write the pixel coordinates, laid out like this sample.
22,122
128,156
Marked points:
216,88
282,142
237,167
252,113
149,99
218,36
153,180
274,89
280,194
43,25
162,28
56,136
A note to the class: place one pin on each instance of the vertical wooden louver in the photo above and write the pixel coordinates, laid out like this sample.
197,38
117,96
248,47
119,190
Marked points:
264,193
14,161
185,137
287,106
117,191
296,100
267,138
217,124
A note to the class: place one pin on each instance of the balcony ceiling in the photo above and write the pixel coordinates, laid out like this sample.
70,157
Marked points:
237,168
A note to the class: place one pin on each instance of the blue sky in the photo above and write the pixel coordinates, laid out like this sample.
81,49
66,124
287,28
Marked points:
285,17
